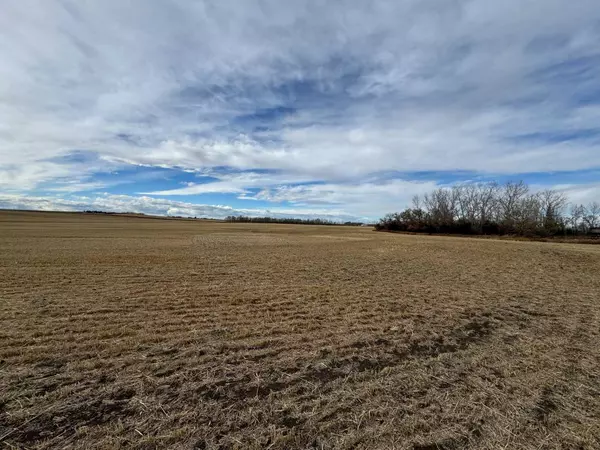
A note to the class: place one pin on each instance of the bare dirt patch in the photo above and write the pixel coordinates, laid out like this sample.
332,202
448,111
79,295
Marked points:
121,332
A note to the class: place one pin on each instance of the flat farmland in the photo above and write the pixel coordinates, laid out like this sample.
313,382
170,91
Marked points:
125,332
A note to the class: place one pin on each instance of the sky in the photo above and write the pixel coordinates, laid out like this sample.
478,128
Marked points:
341,110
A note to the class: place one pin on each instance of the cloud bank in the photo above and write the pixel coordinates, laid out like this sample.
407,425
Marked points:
352,107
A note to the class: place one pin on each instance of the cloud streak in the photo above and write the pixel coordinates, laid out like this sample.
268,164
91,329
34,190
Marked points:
161,207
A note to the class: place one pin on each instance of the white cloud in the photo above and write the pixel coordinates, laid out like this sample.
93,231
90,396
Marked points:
371,199
580,194
161,206
505,87
233,182
333,202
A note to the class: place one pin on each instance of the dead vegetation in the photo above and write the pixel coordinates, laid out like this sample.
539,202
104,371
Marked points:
130,333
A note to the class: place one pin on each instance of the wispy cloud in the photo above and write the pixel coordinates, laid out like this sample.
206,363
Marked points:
296,102
161,206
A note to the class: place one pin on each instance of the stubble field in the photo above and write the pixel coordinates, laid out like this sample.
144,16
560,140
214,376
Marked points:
141,333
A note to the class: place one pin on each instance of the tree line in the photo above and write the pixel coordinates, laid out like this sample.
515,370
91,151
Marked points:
493,208
287,220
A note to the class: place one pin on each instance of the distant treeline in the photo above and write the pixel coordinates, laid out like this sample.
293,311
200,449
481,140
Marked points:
90,211
288,220
493,208
244,219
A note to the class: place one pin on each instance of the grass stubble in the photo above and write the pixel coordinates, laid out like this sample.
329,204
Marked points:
124,332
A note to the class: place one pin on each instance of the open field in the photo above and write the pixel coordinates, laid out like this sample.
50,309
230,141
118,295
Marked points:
121,332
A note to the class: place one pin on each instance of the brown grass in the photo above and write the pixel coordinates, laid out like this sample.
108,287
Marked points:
118,332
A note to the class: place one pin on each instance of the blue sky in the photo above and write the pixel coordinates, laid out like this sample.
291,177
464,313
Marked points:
342,110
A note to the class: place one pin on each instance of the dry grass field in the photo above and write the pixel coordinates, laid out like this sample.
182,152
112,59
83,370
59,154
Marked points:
120,332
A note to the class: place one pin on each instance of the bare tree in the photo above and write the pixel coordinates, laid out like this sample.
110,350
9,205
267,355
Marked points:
488,201
591,215
416,202
508,208
441,206
576,218
468,201
552,205
526,215
510,201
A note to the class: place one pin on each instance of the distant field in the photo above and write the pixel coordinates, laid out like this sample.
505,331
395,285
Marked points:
120,332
